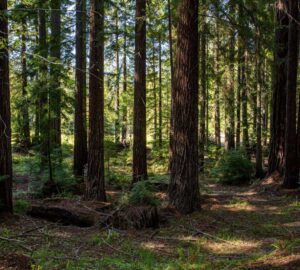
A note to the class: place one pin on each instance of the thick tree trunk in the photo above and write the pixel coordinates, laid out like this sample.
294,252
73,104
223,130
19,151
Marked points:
203,97
25,128
55,70
80,137
95,188
184,186
5,129
139,121
291,175
277,146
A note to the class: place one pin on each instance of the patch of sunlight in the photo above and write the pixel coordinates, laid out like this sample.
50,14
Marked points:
295,224
236,246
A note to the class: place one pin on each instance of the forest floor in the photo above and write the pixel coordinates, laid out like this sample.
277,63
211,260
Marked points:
238,228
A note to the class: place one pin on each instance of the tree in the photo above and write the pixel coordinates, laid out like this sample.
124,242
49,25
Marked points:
5,127
139,121
95,187
184,186
80,136
276,155
291,173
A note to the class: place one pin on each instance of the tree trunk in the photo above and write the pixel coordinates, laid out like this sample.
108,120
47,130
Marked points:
117,101
160,97
55,71
80,136
277,146
244,99
95,188
5,129
154,95
139,121
291,175
203,97
25,130
258,164
184,186
124,124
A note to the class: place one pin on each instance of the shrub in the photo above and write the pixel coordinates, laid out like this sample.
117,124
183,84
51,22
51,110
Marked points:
142,195
233,168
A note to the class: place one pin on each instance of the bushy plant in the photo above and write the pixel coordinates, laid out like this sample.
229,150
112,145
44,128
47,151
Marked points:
142,195
233,168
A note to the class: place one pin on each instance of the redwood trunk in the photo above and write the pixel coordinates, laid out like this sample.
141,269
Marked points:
184,186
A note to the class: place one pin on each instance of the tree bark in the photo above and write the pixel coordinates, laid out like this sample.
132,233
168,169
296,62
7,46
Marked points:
184,186
95,187
291,174
160,95
124,124
5,124
117,101
80,137
277,145
244,99
139,121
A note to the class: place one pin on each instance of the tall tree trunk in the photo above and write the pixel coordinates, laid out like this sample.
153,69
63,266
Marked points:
203,97
291,175
95,187
80,139
5,129
277,145
25,130
117,101
154,95
217,89
239,87
259,169
55,70
124,110
160,96
139,121
184,186
43,81
244,99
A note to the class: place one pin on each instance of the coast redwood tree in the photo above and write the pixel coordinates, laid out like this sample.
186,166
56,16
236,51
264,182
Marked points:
184,186
95,189
139,120
5,129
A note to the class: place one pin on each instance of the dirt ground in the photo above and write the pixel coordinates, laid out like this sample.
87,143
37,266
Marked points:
238,228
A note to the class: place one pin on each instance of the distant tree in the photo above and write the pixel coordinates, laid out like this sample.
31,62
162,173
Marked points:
291,172
139,121
95,185
5,127
80,136
184,186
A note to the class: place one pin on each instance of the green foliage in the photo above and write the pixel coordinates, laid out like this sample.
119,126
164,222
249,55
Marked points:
21,206
233,168
141,194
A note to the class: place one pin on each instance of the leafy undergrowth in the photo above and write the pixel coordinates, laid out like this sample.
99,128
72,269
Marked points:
236,229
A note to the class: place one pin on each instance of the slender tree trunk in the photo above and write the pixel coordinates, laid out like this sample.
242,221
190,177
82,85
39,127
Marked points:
239,88
259,169
80,137
95,187
139,122
203,97
184,186
117,101
25,131
244,99
277,145
160,96
55,70
291,175
124,124
217,89
43,95
5,129
154,95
